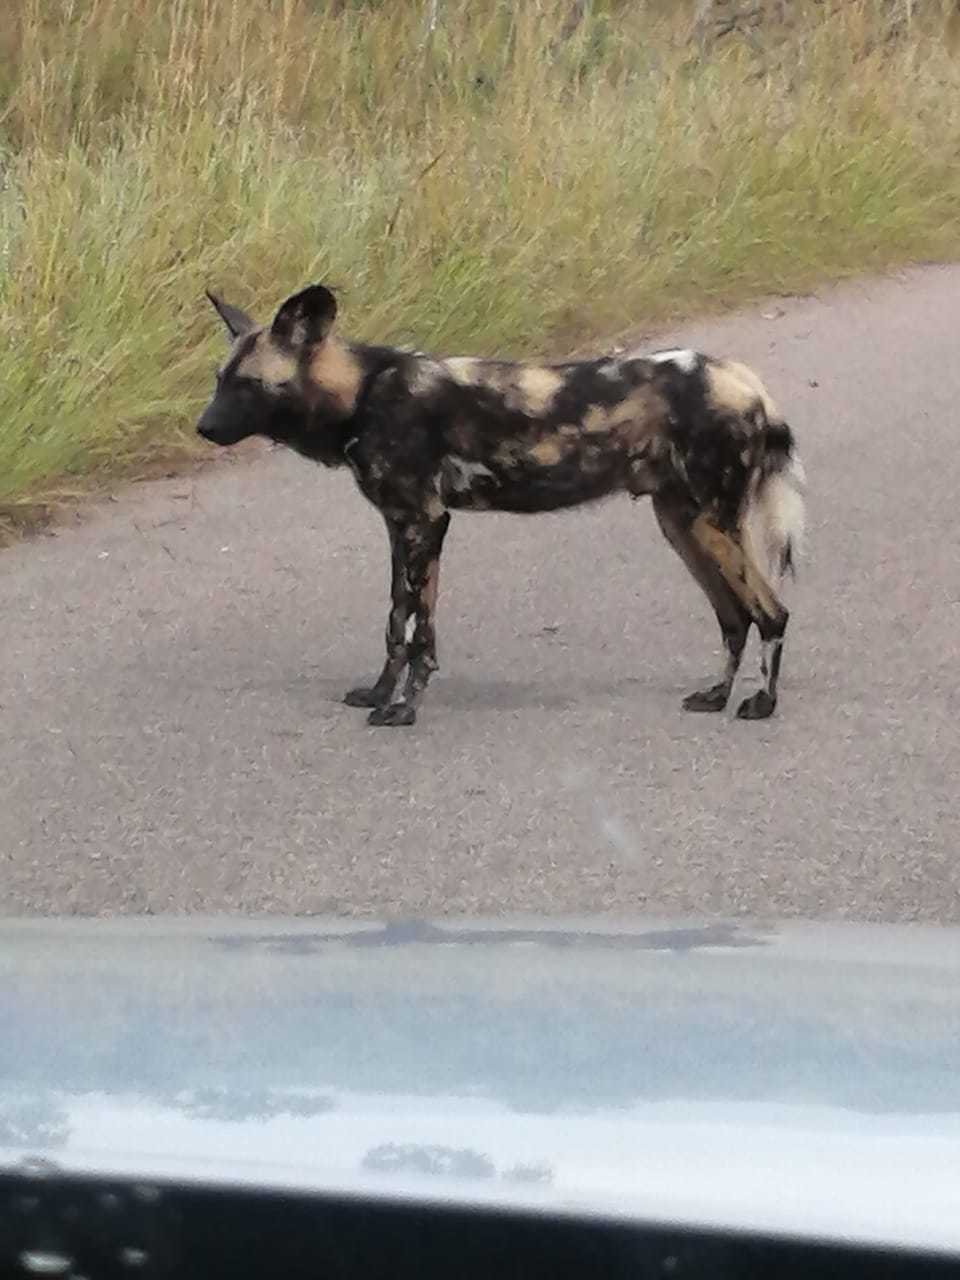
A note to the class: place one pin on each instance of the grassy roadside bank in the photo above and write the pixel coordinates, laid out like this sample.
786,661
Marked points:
482,183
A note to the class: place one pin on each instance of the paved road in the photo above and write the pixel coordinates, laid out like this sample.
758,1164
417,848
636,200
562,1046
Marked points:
173,740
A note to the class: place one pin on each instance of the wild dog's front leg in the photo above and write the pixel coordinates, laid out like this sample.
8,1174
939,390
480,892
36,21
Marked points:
380,693
421,543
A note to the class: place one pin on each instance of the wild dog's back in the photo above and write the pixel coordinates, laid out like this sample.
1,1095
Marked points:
529,438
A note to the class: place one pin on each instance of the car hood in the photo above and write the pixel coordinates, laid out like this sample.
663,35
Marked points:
793,1079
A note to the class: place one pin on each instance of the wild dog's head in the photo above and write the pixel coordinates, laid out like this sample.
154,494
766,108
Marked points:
293,381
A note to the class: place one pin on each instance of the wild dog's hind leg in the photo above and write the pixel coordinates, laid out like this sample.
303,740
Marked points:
421,543
741,573
380,693
676,515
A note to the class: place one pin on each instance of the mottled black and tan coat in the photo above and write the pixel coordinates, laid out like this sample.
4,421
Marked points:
425,436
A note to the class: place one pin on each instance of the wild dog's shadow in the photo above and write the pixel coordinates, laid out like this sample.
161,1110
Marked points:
459,693
454,694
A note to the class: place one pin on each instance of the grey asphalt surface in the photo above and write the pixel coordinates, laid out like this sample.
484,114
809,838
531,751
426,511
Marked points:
172,736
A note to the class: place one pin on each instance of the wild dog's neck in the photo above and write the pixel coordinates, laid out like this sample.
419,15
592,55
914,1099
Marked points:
342,375
336,373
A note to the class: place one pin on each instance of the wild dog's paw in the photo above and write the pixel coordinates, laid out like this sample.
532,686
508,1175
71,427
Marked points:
758,706
714,699
365,696
398,713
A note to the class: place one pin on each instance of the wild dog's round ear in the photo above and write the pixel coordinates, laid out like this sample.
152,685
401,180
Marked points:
306,318
238,322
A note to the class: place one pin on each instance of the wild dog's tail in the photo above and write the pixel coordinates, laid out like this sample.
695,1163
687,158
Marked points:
776,512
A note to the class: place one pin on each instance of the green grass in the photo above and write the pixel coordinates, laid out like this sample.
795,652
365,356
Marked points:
480,188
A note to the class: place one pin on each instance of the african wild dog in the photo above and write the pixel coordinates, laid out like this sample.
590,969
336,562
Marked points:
424,436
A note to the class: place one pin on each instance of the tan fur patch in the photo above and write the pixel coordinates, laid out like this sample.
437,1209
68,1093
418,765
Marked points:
640,416
735,387
268,363
595,420
634,419
547,451
336,370
738,568
537,387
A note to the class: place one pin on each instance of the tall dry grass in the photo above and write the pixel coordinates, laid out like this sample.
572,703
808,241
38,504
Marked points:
473,185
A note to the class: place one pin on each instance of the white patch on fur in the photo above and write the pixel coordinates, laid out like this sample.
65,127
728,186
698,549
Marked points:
776,518
348,449
766,656
426,376
685,359
797,474
459,473
410,629
467,370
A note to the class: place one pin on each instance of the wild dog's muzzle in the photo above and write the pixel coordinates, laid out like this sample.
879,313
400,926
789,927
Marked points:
218,428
